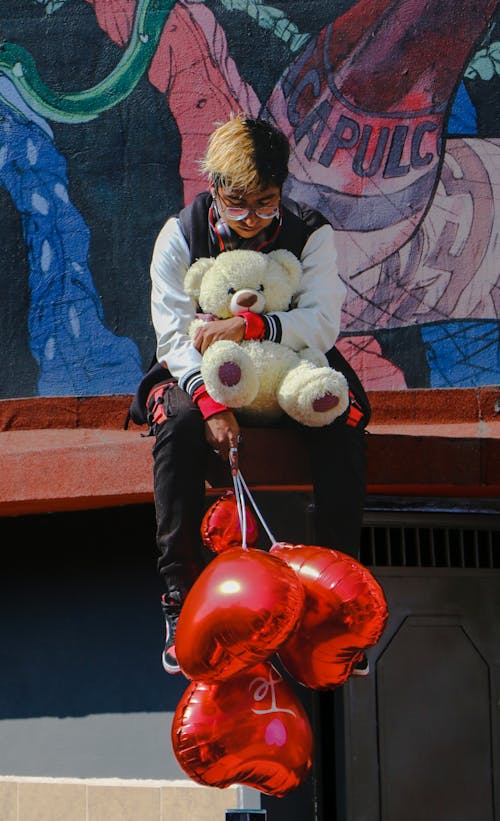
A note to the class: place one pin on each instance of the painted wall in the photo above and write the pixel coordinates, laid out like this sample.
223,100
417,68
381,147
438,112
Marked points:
393,112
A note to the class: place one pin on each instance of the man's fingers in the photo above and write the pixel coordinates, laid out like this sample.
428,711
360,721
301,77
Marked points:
201,339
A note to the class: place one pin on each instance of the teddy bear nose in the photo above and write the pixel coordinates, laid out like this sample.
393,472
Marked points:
246,299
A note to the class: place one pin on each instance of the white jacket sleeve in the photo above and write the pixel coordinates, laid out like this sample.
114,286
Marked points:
314,320
171,309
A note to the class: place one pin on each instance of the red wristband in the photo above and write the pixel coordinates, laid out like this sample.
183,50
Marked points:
208,406
254,325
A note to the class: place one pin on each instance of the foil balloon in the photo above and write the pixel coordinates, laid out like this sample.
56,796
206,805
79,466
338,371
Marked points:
249,730
241,608
344,613
220,526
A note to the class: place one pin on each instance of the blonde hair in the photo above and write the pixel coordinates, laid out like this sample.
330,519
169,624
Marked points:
246,154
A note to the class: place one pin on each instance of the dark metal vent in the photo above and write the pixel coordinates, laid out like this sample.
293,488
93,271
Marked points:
430,547
428,539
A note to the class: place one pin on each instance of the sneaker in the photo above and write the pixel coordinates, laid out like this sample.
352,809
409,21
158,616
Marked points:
362,667
171,605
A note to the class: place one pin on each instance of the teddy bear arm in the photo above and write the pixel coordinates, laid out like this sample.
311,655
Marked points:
194,325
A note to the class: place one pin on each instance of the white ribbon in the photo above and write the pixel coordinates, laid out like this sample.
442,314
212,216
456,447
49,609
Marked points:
240,489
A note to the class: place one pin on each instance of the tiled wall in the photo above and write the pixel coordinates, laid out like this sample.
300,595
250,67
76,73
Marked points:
32,799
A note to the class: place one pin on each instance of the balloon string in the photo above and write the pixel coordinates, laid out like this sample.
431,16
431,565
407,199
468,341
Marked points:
240,504
254,505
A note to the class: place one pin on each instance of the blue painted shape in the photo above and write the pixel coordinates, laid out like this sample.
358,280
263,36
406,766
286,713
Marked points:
463,116
77,355
463,354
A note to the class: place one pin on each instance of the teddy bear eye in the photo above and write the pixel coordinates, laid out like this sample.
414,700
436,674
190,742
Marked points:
231,291
260,288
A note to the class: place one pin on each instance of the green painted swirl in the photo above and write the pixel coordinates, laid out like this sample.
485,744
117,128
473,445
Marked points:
18,65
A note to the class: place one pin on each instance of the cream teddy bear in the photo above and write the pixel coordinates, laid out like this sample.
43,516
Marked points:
261,379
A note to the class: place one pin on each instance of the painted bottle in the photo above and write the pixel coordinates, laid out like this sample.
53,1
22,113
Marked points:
364,106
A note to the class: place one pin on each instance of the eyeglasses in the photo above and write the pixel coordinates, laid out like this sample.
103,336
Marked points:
268,212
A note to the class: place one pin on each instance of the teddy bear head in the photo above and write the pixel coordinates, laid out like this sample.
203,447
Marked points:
242,280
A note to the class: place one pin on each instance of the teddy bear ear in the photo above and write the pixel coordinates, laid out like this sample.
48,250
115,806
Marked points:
290,264
194,275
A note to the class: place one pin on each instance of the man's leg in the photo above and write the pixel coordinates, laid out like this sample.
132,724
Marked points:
179,460
338,463
338,459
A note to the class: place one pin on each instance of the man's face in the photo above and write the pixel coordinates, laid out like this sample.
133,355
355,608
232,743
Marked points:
262,207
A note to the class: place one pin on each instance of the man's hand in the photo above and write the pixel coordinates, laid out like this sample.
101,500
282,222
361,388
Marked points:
222,432
232,328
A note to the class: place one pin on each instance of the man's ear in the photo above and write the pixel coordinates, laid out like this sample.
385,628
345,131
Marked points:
212,189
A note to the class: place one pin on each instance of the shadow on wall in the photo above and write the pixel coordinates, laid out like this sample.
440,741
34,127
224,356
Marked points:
81,628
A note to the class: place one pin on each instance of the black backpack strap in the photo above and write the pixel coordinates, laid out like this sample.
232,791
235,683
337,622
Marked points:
357,392
155,374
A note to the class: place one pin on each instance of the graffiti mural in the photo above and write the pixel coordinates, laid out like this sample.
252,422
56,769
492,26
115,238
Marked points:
392,108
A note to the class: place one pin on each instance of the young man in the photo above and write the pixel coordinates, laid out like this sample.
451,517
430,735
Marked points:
246,163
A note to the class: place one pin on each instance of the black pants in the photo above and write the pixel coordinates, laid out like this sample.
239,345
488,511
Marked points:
180,453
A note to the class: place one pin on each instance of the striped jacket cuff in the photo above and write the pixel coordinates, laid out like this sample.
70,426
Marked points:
272,330
191,381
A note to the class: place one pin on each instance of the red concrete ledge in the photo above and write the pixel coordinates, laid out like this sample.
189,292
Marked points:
102,412
71,454
411,407
73,469
457,406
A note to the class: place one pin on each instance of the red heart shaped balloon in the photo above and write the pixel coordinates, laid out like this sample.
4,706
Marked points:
249,730
345,612
220,526
241,608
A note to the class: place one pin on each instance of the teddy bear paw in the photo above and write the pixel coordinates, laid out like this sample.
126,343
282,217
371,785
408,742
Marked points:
314,396
229,374
325,403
